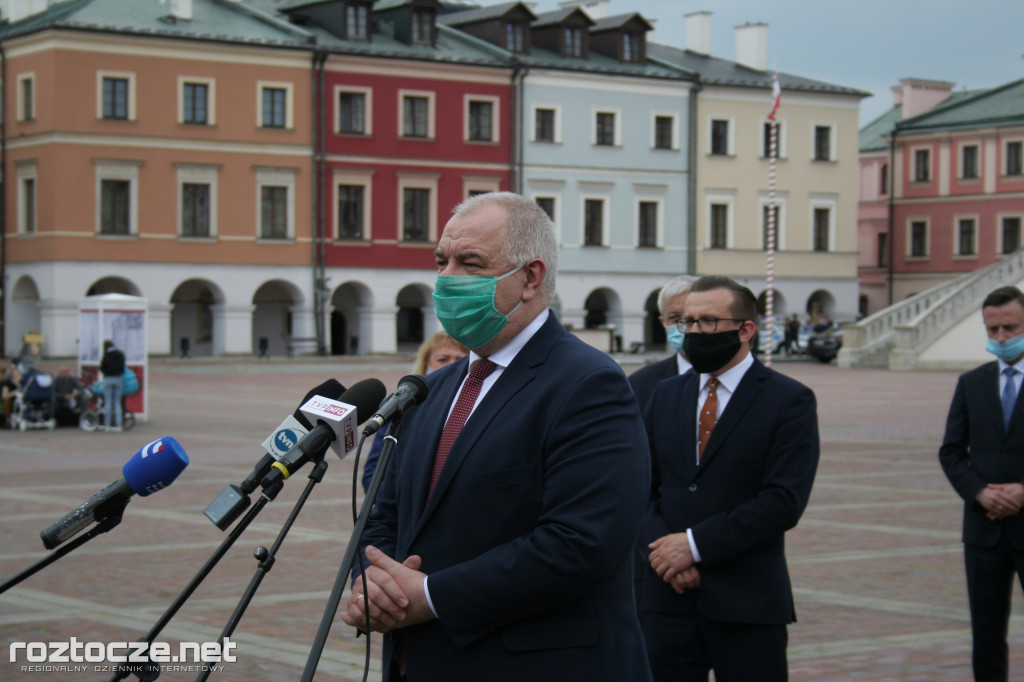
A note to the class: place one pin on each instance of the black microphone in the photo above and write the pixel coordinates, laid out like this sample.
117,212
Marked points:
336,421
152,468
412,390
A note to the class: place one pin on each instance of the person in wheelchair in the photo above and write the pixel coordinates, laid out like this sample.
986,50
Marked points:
70,393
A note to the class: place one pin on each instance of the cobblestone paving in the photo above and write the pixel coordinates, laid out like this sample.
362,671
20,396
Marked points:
876,561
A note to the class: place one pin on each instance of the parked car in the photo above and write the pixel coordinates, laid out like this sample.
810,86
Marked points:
825,344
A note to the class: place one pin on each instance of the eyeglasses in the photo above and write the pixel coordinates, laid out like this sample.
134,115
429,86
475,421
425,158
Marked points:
707,325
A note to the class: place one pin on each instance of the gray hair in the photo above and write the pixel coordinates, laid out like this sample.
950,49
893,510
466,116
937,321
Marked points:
531,233
680,285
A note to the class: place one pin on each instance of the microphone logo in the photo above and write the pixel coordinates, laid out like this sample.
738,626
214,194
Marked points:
152,448
285,439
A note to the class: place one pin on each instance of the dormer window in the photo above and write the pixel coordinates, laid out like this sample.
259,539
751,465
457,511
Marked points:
515,37
573,41
422,27
357,21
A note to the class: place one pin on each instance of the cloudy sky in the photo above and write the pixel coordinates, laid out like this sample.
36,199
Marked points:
867,44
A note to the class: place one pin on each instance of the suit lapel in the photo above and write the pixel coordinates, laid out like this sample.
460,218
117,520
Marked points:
513,379
422,466
747,391
688,422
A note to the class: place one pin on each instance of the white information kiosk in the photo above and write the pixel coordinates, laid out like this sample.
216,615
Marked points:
121,319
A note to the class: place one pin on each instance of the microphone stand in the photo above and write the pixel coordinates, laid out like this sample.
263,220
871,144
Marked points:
150,671
390,439
111,521
267,558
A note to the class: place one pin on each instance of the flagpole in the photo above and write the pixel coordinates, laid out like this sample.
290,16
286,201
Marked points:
769,305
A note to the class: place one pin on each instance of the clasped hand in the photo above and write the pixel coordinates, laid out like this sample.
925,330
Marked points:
395,591
672,559
1001,500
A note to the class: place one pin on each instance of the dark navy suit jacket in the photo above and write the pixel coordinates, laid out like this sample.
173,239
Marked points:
527,537
752,485
646,378
976,450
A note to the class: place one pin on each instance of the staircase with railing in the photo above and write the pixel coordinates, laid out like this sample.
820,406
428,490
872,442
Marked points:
896,336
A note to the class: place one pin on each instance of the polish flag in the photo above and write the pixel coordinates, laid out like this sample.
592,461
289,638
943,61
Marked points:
776,96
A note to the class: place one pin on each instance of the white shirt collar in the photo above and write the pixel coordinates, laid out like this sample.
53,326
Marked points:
682,364
504,356
731,378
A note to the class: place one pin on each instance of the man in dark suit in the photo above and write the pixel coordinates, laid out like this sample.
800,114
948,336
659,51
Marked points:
515,562
734,449
982,454
671,300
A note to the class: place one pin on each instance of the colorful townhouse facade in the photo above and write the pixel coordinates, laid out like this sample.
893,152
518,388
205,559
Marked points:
815,260
942,187
272,175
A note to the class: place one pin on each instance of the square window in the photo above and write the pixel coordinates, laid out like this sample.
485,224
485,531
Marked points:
548,204
544,125
352,111
415,116
663,132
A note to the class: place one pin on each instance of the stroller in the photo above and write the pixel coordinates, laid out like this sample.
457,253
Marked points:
92,417
35,404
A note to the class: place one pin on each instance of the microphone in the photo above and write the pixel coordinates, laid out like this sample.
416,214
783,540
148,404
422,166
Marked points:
412,390
234,499
152,468
336,425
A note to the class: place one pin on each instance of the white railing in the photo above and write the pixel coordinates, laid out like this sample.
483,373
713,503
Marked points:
912,325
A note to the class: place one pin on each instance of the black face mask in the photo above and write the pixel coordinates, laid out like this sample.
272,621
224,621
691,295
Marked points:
711,352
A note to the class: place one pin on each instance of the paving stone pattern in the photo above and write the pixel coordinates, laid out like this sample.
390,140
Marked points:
876,560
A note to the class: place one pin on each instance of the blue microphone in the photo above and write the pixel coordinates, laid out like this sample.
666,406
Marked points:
152,468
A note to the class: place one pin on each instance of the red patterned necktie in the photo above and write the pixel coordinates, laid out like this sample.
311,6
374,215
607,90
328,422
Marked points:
480,370
708,416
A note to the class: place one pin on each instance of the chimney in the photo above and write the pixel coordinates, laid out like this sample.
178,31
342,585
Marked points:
595,9
897,95
181,10
919,95
698,32
752,46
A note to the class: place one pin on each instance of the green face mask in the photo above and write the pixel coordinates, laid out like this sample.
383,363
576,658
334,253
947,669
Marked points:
465,306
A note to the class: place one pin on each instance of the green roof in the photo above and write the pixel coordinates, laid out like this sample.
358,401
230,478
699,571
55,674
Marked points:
1002,105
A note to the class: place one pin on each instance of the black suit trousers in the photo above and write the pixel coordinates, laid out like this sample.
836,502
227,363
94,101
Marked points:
989,589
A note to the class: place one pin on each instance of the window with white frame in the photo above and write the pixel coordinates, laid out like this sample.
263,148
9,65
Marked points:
917,238
26,97
422,26
594,221
548,204
665,131
417,207
117,197
275,208
196,97
780,139
546,123
966,237
648,228
416,119
1014,158
482,119
276,105
357,21
574,37
823,142
479,184
115,95
197,200
719,233
720,137
354,112
607,128
1010,233
353,201
969,167
779,225
27,197
823,223
922,164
